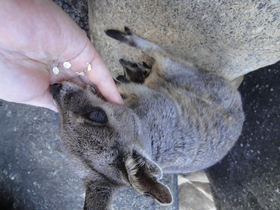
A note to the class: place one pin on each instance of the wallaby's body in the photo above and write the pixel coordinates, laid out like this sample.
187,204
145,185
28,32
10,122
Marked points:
179,120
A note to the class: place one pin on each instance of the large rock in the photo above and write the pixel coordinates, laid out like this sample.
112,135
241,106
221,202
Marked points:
229,37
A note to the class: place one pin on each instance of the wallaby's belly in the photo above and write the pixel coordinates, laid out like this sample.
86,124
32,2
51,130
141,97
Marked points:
209,121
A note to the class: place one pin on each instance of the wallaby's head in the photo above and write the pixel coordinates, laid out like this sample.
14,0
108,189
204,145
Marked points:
106,144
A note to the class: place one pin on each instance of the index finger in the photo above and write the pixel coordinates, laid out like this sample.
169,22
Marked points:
99,74
101,77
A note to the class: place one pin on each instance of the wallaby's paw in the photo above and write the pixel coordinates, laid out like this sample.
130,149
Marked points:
135,72
129,99
131,65
122,79
125,36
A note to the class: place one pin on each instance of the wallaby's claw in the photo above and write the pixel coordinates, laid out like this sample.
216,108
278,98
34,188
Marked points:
115,34
119,35
122,61
127,31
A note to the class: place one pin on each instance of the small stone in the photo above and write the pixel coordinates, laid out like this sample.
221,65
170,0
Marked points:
67,64
55,70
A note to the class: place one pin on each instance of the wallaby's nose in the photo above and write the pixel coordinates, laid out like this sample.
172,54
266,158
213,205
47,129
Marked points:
55,88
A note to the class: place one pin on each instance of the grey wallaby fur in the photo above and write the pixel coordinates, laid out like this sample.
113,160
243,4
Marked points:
176,119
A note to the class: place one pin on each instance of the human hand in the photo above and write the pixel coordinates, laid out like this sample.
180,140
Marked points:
36,36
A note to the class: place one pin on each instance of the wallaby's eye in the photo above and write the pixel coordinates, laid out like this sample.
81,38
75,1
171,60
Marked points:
97,115
134,65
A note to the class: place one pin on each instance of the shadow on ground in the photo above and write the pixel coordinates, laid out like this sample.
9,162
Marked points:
249,176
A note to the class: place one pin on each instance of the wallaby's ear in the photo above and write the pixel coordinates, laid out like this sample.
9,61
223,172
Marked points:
98,195
143,176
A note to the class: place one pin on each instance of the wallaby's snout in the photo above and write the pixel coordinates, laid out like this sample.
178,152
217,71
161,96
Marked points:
55,89
69,96
59,89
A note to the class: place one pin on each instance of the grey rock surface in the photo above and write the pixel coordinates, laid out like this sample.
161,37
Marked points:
193,199
33,172
77,10
195,192
228,37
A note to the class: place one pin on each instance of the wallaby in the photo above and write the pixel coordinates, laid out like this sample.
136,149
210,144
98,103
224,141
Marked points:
176,119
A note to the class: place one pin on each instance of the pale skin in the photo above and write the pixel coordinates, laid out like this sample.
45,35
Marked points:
35,36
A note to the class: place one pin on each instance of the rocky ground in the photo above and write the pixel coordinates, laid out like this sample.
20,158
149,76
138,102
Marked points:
35,175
